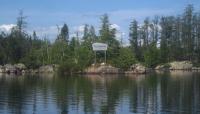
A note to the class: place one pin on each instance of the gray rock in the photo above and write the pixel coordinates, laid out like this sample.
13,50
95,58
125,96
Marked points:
183,65
46,69
20,66
102,69
137,69
108,69
162,67
2,70
10,68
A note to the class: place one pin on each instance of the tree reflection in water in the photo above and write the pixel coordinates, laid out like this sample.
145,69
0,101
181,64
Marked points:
175,92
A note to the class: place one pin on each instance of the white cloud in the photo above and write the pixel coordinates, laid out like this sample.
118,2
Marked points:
120,35
115,26
75,29
120,18
6,27
81,28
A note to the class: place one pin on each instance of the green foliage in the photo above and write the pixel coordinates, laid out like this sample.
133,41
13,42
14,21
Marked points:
107,35
31,60
68,66
134,43
83,57
58,52
125,59
78,61
89,36
156,41
176,37
63,36
2,49
151,56
18,45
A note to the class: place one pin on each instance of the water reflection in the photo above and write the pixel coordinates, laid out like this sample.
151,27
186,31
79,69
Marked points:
155,93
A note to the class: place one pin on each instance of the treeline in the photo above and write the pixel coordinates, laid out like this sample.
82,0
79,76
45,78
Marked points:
156,41
72,54
168,38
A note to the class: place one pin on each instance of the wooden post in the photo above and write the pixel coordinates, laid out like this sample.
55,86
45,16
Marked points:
105,56
95,61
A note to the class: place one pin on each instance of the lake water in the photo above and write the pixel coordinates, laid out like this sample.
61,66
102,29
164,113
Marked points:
151,94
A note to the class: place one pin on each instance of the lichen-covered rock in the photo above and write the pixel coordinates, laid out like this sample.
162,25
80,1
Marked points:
183,65
2,70
137,69
20,66
108,69
48,68
159,67
102,69
22,69
162,67
10,68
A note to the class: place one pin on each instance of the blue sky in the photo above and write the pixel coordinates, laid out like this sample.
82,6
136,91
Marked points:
44,15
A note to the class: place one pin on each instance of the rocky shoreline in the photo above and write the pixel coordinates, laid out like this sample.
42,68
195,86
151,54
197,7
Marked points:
108,69
22,69
102,69
178,66
141,69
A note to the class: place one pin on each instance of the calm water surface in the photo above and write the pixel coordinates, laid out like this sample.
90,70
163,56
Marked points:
176,93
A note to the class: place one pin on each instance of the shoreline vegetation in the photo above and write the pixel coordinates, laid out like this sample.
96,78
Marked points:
20,68
154,44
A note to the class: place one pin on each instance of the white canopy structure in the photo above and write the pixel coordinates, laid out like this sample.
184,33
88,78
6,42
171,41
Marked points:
99,47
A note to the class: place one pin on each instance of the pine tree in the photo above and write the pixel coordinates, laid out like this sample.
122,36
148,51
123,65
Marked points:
105,29
107,35
65,33
86,33
155,29
146,32
92,34
164,51
89,36
21,23
133,38
187,32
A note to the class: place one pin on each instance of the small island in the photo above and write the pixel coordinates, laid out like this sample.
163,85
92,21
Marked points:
100,57
159,43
